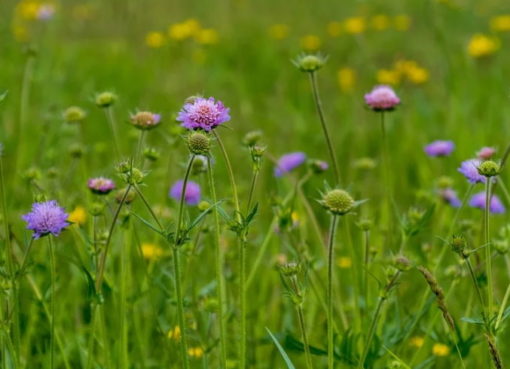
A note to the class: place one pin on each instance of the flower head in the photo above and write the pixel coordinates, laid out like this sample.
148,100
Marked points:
78,215
45,218
478,201
338,202
439,148
203,113
145,120
450,197
469,169
191,194
486,153
100,185
288,162
382,98
74,114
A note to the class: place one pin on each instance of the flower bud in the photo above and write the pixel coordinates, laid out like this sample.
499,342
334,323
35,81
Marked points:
290,269
151,154
338,202
203,205
458,245
105,99
318,166
135,176
123,167
364,164
145,120
252,138
96,209
402,263
32,174
129,197
309,63
501,246
444,182
199,164
489,168
76,151
199,143
365,224
74,114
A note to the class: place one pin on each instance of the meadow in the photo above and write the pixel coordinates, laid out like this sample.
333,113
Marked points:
254,184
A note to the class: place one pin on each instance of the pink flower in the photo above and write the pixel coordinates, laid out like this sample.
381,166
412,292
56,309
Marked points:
382,98
486,153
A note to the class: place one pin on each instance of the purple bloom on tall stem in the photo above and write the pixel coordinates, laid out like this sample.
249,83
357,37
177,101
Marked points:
486,153
203,113
478,201
100,185
45,218
288,162
450,196
382,98
439,148
469,169
191,195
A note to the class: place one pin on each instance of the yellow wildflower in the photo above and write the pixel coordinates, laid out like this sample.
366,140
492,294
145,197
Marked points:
380,22
278,31
500,23
440,349
155,39
20,33
355,25
344,262
207,36
310,43
196,352
346,79
334,29
28,9
184,30
151,251
481,45
402,22
295,218
174,334
417,341
417,75
78,215
388,77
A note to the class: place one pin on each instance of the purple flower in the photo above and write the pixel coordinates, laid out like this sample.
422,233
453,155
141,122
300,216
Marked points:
100,185
191,195
439,148
450,196
45,218
203,114
382,98
45,11
478,201
145,120
469,169
289,162
486,153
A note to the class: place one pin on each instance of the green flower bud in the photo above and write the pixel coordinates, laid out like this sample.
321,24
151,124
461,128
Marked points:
290,269
501,246
96,209
145,120
32,174
338,202
76,151
203,205
151,154
199,164
129,198
458,244
365,224
402,263
199,143
489,168
252,138
444,182
135,176
74,114
364,164
105,99
123,167
309,63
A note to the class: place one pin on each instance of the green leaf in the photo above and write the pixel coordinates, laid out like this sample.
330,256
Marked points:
201,216
282,351
472,320
3,95
148,224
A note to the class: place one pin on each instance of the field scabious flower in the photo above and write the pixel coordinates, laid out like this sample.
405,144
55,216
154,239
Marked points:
486,153
45,218
145,120
203,113
288,162
495,207
450,197
439,148
100,185
469,168
191,194
382,98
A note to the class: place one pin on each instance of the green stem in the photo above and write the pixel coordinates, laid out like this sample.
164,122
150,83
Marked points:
478,293
488,249
366,253
299,308
252,189
52,302
111,120
149,208
219,268
331,244
318,105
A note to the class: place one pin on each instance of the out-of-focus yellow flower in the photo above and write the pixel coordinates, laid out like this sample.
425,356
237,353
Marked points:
78,215
20,33
412,71
481,45
344,262
151,251
155,39
388,77
417,341
196,352
28,9
335,29
207,36
294,216
184,30
440,349
278,31
346,79
402,22
355,25
310,42
380,22
500,23
174,334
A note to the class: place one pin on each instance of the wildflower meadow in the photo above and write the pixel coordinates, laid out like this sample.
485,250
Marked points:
238,184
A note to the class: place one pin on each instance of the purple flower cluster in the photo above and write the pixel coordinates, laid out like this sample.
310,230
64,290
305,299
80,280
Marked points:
191,194
289,162
439,148
205,114
469,169
100,185
495,206
382,98
45,218
450,196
